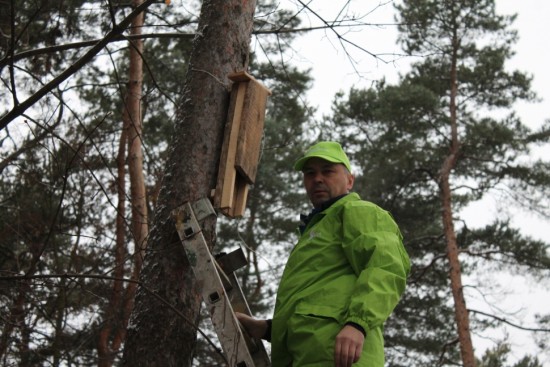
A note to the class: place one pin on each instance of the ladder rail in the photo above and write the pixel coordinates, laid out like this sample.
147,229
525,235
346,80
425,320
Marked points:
239,348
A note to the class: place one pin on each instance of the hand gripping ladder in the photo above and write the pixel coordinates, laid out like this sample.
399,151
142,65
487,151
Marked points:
220,289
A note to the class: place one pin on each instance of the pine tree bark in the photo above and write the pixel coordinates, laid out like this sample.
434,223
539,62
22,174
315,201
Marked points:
455,273
156,335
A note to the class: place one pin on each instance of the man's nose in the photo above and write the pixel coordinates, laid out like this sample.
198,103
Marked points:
318,177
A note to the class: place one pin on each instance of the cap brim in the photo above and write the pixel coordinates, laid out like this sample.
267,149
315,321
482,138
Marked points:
302,161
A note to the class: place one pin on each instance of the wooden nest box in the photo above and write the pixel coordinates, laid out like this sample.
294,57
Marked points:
241,146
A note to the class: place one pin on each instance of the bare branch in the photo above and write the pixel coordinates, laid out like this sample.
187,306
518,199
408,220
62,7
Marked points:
509,322
343,40
30,144
446,346
75,45
425,269
11,58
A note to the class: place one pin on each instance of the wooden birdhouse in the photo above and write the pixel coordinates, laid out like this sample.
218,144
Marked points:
241,147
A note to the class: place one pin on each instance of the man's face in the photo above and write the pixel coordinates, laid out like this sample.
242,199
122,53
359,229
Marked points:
324,180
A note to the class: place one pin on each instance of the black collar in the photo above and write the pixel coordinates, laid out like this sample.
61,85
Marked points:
305,219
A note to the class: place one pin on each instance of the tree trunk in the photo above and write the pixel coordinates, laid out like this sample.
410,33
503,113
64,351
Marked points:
455,274
156,335
18,312
111,315
134,120
121,303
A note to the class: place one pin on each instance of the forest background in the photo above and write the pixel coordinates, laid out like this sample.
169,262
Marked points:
71,222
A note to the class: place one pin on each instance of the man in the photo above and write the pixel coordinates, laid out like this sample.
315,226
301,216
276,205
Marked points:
343,278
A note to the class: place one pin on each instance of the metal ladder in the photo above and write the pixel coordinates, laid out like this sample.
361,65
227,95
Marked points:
220,289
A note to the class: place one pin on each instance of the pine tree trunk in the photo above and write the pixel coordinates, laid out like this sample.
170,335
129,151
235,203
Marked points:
18,312
113,333
156,335
455,274
105,355
134,120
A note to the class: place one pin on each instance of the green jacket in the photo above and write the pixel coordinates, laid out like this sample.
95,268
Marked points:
349,265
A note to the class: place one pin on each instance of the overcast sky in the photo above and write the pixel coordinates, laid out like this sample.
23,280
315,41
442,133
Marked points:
332,70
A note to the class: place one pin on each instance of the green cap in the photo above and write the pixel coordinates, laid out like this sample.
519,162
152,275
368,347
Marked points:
327,150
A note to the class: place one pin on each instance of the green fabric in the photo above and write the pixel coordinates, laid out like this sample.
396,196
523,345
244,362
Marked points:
349,265
328,150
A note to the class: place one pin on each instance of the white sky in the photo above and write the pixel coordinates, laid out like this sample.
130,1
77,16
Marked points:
332,70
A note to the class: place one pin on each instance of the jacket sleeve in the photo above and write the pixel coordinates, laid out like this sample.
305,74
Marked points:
373,246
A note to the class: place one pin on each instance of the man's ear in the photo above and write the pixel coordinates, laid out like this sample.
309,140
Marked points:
351,180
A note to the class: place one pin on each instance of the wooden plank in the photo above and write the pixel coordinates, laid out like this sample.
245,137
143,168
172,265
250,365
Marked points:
241,194
238,205
240,76
241,147
251,130
227,173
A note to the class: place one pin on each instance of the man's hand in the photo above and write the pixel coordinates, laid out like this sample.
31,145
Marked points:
256,328
348,348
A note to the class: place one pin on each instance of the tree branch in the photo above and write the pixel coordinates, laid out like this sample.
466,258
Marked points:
509,322
446,346
74,45
17,110
425,269
9,58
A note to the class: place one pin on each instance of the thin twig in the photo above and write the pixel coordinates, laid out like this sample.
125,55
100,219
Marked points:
537,330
